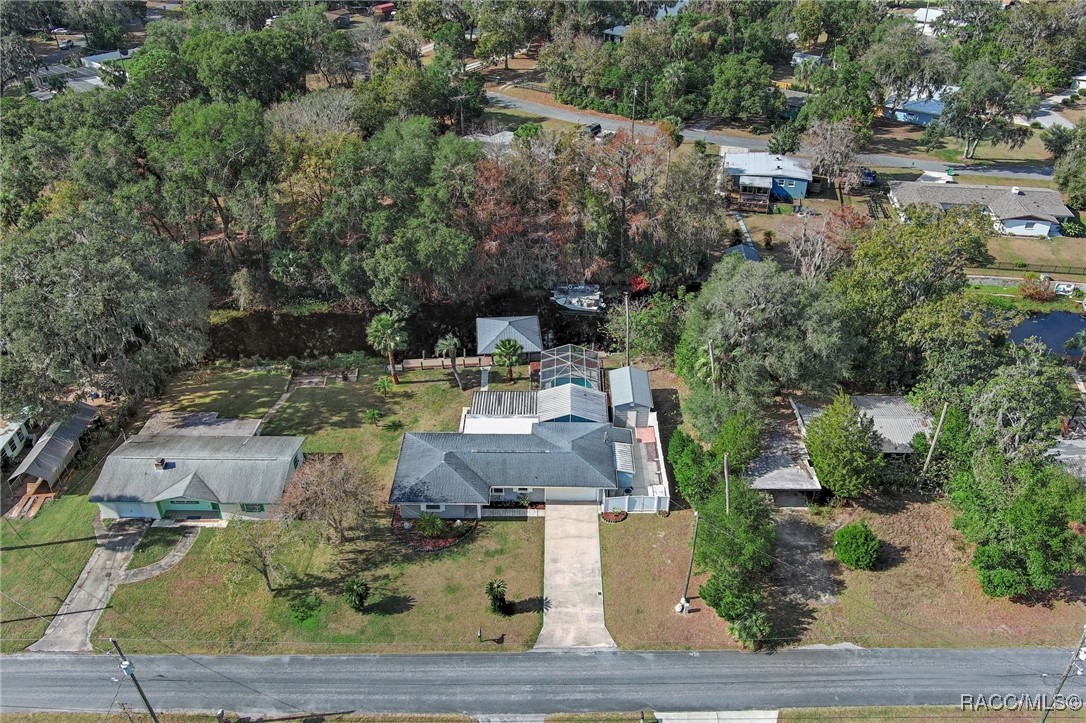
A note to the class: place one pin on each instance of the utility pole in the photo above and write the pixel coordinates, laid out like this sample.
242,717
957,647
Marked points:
633,114
1079,654
690,570
130,671
727,488
935,437
627,295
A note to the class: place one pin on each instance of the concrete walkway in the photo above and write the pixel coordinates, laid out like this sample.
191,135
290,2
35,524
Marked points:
174,556
572,579
71,627
720,716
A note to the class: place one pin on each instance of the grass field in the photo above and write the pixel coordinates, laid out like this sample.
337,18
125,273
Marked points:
1058,251
1009,297
420,601
236,394
909,713
155,545
40,560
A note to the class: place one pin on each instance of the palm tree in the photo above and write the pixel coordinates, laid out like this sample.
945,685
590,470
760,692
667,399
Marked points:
447,346
1077,341
386,334
507,354
495,590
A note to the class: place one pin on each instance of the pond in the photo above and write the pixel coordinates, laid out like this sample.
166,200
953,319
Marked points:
277,335
1053,328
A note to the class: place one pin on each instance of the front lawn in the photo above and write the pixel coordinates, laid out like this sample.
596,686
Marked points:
420,601
645,561
40,560
240,394
155,545
1058,251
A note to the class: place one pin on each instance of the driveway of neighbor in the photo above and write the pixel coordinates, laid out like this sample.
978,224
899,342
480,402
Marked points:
71,627
572,579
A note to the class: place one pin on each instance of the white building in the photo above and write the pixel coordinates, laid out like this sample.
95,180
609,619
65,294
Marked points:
1015,210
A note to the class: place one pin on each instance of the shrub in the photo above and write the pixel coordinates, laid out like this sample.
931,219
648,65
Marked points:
304,608
1036,125
693,476
1036,290
356,591
495,592
842,444
856,546
740,437
1073,228
430,525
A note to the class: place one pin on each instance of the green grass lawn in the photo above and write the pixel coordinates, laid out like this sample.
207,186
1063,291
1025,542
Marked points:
40,560
1008,297
155,545
420,601
907,713
234,394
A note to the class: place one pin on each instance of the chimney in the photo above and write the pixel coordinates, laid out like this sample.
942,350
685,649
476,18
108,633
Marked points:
160,463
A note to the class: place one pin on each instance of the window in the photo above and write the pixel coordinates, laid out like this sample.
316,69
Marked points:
296,460
251,508
20,434
185,502
1030,225
524,490
779,182
497,490
791,184
433,508
11,444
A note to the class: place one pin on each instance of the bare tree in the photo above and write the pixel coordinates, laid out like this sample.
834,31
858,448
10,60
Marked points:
333,490
817,252
832,147
257,545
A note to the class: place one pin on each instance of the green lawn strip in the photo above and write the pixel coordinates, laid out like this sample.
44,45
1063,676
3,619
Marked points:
1008,297
890,714
155,545
40,560
234,394
420,601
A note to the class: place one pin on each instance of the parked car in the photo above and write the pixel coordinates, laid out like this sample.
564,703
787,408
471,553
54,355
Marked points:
593,129
65,44
59,31
868,177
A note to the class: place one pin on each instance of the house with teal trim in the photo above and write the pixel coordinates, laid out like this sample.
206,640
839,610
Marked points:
197,472
782,178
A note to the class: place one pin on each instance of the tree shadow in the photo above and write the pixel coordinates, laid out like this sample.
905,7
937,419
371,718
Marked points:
1071,590
890,556
391,605
535,604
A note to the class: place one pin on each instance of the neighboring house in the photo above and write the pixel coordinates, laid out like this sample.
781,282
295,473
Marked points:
631,396
747,251
456,475
926,19
494,144
196,476
617,33
340,19
524,329
783,471
94,62
895,421
780,178
1078,82
1018,210
1071,453
55,450
794,101
553,445
13,438
798,58
383,11
917,109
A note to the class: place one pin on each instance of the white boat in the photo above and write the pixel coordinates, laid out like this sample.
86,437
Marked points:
579,297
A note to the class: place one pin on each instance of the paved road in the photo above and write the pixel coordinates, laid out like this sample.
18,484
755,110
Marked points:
532,682
1024,173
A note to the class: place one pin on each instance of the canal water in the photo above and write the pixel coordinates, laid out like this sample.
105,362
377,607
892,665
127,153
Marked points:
276,335
1053,328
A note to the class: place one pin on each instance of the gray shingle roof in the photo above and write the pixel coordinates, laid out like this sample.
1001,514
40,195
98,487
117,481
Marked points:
1042,203
453,468
525,329
571,399
747,252
250,470
630,386
56,448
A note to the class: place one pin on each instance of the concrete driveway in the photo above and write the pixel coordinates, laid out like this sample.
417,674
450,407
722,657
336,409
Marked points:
572,579
71,627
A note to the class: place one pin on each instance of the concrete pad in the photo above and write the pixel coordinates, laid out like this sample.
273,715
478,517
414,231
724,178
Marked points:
572,579
72,625
722,716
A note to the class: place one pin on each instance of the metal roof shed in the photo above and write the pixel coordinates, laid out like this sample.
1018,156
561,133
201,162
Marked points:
630,388
56,448
525,329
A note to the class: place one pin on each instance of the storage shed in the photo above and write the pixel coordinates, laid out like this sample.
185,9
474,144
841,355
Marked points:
631,396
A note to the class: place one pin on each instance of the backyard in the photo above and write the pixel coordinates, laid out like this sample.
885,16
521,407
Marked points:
238,394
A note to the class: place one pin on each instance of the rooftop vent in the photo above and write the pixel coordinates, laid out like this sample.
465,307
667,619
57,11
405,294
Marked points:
160,463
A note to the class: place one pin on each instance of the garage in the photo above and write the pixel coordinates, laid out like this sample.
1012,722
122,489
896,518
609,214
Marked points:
132,510
572,494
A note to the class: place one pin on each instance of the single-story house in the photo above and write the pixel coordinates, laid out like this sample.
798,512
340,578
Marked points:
617,33
340,19
799,57
94,62
1017,211
494,144
782,178
631,396
524,329
196,476
895,421
916,110
456,475
747,251
13,438
56,448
